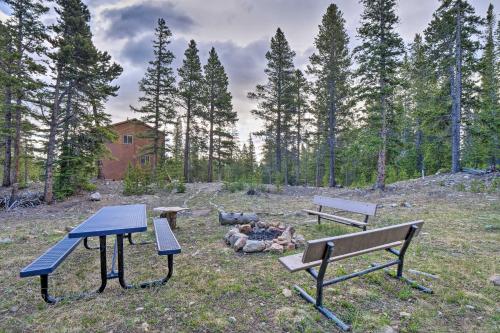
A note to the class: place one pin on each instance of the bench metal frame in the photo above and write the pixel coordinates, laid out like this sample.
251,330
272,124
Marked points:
321,282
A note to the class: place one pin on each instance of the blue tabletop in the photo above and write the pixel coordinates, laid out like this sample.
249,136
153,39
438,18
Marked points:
112,220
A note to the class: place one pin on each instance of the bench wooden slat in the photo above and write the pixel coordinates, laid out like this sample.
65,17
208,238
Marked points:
294,262
366,208
358,241
336,218
165,238
52,258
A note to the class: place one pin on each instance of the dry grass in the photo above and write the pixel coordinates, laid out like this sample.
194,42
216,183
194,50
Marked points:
215,290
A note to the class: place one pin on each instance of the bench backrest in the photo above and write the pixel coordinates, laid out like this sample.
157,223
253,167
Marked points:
365,208
359,241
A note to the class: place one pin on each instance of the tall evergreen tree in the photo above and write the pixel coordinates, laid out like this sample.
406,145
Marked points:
451,38
158,89
190,95
300,90
177,140
378,57
27,35
218,103
82,77
274,96
488,127
331,66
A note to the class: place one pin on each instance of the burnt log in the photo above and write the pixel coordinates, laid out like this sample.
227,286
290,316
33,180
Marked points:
237,218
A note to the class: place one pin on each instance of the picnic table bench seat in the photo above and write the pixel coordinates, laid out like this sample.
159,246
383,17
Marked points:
165,239
342,206
167,245
48,262
322,252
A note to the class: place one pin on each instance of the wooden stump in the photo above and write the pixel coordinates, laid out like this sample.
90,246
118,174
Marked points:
170,213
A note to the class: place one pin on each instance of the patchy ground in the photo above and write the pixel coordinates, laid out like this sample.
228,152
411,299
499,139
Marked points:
215,290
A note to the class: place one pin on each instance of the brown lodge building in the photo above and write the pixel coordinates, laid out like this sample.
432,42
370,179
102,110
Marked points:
129,148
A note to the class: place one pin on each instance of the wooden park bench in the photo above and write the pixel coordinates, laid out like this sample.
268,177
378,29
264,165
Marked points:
321,252
343,206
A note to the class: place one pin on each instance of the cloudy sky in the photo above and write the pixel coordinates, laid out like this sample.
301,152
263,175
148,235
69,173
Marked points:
240,30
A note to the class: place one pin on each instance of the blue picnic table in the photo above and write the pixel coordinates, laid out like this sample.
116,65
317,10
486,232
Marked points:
120,221
108,221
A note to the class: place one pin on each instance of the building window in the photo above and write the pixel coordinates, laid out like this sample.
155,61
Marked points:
127,139
145,160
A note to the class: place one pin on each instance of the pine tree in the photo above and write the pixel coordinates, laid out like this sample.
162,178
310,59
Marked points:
488,125
190,95
218,102
300,90
158,89
177,140
82,78
27,36
379,57
274,96
451,39
331,66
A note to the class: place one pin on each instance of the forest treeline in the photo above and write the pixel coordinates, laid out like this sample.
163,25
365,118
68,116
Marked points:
381,112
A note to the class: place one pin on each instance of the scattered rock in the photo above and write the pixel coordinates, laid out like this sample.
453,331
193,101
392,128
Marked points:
276,248
139,309
69,228
393,205
145,327
96,196
232,319
15,308
228,235
406,204
495,279
251,192
5,240
470,307
290,246
288,234
299,240
245,228
235,237
261,224
287,292
254,246
240,243
404,314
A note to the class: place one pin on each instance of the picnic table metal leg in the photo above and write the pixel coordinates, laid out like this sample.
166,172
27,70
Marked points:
104,269
131,241
44,284
121,264
87,246
149,284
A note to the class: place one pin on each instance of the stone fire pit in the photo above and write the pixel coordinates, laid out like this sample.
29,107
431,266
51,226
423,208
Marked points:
263,237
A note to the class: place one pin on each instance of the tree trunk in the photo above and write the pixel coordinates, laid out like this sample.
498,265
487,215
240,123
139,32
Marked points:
8,137
332,123
418,148
17,142
211,143
26,159
51,145
187,142
297,172
456,97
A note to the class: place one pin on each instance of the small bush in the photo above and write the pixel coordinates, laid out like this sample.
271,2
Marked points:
180,186
137,181
460,187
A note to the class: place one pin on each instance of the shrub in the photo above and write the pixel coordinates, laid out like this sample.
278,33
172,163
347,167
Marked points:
180,186
460,187
137,181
